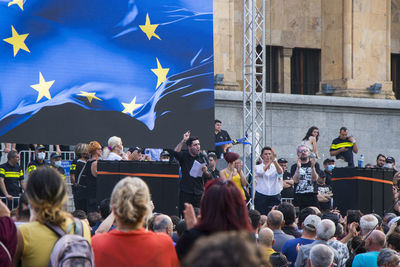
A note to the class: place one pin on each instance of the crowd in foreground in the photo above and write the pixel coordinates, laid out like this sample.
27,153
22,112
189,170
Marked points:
217,229
223,233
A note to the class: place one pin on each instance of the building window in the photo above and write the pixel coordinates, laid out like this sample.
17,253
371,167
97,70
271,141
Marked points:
272,59
395,74
305,71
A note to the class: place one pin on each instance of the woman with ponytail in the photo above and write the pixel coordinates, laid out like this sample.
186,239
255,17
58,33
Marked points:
47,194
130,244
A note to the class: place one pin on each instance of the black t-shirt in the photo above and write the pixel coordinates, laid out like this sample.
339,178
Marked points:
76,168
328,177
214,173
12,176
188,183
88,181
305,185
34,164
287,192
222,136
324,189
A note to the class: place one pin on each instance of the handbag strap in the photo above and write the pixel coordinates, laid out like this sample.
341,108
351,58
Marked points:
6,250
80,174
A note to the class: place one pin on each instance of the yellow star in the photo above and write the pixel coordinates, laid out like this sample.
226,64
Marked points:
89,96
42,87
149,29
160,73
129,108
17,41
20,3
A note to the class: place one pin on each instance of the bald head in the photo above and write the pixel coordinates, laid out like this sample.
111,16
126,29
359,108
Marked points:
163,223
275,219
266,237
375,241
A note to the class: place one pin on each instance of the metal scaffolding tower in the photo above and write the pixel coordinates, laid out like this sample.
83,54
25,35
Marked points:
254,79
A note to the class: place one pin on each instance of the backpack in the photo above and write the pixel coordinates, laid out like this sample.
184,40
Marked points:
71,249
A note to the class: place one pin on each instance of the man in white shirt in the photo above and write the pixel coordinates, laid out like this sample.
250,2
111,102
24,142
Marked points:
269,182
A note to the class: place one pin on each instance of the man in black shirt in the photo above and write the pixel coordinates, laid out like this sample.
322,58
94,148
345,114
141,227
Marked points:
212,163
11,177
194,171
221,136
40,156
305,174
380,161
329,165
325,193
288,183
343,147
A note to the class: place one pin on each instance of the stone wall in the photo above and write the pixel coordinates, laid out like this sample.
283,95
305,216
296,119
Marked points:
395,27
374,123
298,23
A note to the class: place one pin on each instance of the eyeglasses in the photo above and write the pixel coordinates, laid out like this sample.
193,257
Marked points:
303,151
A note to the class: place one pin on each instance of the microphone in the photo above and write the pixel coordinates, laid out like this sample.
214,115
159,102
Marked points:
204,156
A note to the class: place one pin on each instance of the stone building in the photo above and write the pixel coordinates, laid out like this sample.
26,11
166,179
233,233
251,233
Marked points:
320,52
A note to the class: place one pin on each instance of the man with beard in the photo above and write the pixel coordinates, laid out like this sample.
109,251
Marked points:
305,174
193,166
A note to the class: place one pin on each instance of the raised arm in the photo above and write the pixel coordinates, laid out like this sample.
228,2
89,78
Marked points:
179,146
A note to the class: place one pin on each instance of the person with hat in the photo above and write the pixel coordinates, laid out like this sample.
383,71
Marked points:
55,162
325,231
40,156
288,183
390,163
308,235
165,156
329,165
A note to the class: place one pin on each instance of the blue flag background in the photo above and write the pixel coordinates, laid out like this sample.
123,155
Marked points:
81,70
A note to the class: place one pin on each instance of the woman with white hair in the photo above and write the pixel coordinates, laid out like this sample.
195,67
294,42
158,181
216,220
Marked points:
130,244
115,149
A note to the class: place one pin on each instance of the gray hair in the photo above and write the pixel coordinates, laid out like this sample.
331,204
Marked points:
386,255
161,223
368,223
326,229
321,256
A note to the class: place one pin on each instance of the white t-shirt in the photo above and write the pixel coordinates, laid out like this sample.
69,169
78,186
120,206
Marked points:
268,182
113,156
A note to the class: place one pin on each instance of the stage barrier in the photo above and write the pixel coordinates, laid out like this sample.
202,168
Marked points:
365,189
162,179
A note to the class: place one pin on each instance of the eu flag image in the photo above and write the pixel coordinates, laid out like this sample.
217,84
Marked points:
81,70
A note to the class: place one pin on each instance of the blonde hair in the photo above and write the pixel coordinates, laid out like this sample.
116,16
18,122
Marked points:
47,193
113,141
130,200
93,146
80,149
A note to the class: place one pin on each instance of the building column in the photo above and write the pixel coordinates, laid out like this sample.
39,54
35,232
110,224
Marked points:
285,70
355,48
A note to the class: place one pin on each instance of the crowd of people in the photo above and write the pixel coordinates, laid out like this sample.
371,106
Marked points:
293,222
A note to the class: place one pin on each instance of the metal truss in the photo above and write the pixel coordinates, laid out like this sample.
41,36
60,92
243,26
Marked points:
254,70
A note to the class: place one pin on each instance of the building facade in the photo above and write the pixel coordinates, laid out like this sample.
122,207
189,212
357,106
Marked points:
330,63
